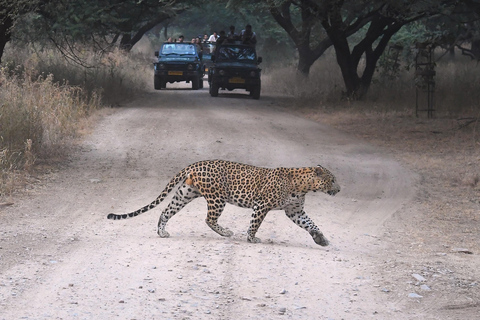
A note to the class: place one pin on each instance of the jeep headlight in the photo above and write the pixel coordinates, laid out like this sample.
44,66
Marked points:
190,66
221,72
253,74
160,66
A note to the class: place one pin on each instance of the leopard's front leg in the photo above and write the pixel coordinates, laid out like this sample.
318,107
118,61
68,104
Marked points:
297,215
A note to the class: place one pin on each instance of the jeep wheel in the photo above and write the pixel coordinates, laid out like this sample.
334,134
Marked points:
214,89
200,84
157,83
255,92
195,83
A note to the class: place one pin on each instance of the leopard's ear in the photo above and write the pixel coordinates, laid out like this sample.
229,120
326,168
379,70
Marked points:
319,170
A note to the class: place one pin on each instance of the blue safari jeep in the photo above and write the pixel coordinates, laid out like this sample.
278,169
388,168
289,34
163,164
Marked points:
178,61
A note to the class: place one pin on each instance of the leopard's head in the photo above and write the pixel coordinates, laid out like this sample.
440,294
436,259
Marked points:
325,181
315,178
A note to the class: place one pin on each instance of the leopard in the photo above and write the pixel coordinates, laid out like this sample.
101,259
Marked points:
262,189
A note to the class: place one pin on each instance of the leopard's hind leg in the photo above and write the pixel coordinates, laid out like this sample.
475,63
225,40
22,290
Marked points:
215,209
184,195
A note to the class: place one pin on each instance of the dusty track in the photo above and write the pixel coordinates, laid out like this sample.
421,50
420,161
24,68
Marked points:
60,258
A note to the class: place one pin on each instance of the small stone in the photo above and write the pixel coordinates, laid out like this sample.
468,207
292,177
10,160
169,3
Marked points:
246,298
121,301
462,250
419,277
282,310
424,287
283,291
151,290
414,295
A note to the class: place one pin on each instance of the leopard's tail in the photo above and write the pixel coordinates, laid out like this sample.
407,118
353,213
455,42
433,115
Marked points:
180,177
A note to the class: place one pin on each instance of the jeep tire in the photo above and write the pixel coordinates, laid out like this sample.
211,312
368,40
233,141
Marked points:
157,83
214,89
195,83
255,92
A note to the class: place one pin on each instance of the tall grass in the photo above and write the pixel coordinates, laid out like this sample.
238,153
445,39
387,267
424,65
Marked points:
37,115
118,76
44,97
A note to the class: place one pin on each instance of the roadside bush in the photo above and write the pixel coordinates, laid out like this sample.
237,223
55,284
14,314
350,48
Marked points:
45,96
37,116
116,75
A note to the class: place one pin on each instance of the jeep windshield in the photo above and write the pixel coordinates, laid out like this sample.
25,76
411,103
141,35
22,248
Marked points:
178,49
233,53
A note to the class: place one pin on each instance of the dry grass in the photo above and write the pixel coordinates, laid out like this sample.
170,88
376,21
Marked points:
117,76
45,100
37,116
456,94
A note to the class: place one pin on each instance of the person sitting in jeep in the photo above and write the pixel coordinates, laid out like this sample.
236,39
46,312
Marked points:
248,36
221,38
231,35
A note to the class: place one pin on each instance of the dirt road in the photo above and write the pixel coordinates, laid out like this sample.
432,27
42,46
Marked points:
60,258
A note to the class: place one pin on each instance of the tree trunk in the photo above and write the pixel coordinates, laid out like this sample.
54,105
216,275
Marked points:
305,60
6,24
307,54
125,42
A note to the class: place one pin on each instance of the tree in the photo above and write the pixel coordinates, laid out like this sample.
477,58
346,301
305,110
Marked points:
105,23
310,45
10,11
358,30
6,23
378,21
101,24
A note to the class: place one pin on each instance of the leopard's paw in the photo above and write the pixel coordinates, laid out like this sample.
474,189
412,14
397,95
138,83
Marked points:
163,233
319,238
253,239
227,233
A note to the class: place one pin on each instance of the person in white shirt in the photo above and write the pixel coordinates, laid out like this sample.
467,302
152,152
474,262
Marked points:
213,37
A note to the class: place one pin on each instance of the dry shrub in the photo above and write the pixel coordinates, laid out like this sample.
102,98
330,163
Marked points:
323,86
117,75
45,98
37,116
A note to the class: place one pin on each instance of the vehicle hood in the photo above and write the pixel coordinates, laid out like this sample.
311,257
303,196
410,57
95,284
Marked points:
178,58
236,64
